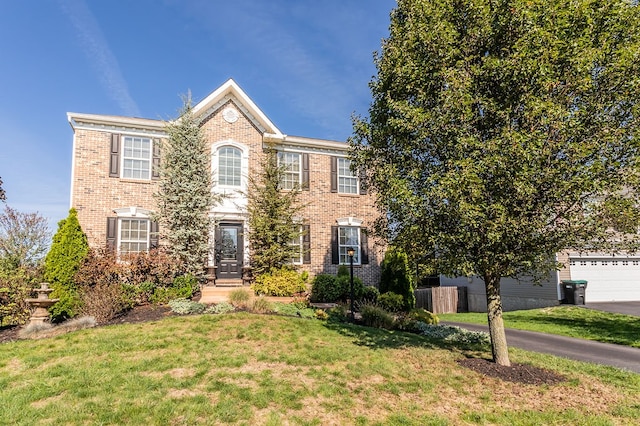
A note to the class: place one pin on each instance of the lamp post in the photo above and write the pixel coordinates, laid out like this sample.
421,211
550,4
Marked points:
351,252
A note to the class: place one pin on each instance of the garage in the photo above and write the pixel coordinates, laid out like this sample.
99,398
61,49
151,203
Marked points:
610,279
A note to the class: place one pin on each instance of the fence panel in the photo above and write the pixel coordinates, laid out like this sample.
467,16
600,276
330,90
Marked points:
441,300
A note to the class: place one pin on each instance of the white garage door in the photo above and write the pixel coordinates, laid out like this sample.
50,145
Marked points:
609,280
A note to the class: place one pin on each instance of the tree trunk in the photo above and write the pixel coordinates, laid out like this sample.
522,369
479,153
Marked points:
499,347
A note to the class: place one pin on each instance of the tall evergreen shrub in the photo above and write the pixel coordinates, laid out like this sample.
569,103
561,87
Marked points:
396,276
68,251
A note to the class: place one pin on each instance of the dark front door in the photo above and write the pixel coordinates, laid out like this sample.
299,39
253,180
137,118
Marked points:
229,253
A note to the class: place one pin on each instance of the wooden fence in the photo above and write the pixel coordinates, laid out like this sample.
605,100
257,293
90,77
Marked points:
442,300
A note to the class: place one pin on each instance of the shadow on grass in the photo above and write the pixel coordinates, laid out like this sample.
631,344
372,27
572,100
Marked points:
601,326
376,338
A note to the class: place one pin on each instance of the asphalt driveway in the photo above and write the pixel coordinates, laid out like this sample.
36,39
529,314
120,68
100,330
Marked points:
625,357
628,308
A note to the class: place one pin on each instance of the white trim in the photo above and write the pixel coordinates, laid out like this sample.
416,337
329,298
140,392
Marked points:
133,212
302,144
73,170
139,218
227,91
349,221
244,165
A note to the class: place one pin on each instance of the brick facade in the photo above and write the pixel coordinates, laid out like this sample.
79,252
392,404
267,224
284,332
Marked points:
98,196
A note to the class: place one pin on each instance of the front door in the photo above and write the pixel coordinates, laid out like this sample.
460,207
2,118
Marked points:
229,250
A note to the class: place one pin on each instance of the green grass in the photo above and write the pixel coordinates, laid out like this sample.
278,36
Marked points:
572,321
249,369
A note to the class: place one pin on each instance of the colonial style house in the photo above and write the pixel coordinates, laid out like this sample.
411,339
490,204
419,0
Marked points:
115,173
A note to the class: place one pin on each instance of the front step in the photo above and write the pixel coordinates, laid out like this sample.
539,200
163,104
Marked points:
228,282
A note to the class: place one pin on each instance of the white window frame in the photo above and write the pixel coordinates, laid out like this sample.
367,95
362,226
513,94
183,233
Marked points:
238,170
295,180
299,242
344,244
146,241
128,214
136,170
348,182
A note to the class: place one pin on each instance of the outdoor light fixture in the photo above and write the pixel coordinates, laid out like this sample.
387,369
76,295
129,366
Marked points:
351,252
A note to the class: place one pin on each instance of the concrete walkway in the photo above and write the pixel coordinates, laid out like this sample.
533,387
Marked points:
624,357
217,294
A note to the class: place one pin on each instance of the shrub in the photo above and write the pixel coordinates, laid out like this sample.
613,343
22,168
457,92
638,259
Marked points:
327,288
68,251
370,294
293,309
344,286
376,316
16,285
182,287
155,266
324,289
220,308
101,293
337,314
396,276
261,305
424,316
322,315
280,282
391,302
343,271
239,298
453,334
186,307
103,301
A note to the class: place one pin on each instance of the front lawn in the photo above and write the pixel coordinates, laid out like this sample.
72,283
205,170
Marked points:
572,321
242,368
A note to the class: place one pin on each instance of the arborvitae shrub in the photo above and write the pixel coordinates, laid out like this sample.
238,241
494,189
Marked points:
370,294
343,271
344,285
68,251
396,276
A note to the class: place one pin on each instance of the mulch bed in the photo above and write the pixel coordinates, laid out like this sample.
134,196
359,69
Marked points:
518,373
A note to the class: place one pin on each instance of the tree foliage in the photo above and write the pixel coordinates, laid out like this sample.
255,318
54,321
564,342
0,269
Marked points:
273,217
24,239
68,251
3,194
185,196
504,131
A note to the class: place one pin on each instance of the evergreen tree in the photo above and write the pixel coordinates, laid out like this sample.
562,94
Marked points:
185,196
396,276
3,194
272,217
68,251
504,131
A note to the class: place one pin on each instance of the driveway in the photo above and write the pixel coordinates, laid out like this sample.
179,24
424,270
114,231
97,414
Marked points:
628,308
625,357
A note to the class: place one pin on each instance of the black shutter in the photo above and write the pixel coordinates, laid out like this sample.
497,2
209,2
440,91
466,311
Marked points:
154,236
335,255
114,160
306,244
364,247
305,172
334,174
155,163
112,233
361,175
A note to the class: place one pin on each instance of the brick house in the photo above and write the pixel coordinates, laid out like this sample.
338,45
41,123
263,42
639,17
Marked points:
114,176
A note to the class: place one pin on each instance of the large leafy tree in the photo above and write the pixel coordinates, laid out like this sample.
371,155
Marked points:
504,131
185,195
273,221
24,239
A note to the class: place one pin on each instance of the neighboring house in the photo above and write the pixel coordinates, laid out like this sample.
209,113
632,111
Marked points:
609,279
114,176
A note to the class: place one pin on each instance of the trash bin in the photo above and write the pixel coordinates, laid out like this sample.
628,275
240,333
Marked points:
574,291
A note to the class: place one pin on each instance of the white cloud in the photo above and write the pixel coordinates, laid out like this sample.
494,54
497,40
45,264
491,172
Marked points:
99,55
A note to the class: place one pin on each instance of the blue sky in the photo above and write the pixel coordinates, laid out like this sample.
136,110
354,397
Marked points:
305,63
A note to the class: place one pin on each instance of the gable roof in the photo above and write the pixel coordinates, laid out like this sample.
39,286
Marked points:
231,91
